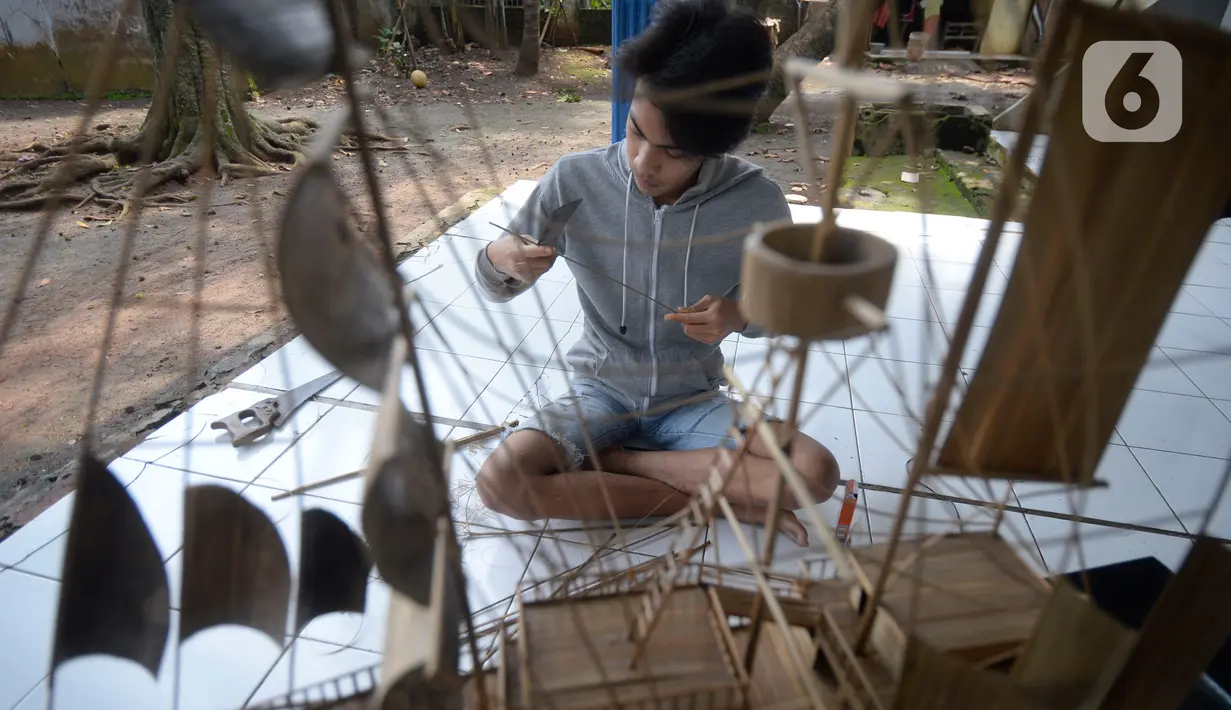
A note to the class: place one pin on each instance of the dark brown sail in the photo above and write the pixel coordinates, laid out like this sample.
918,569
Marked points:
333,569
114,598
235,565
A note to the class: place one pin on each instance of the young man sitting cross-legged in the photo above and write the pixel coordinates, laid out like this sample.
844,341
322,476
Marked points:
663,213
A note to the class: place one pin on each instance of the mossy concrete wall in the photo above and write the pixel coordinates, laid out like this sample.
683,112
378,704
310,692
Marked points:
50,47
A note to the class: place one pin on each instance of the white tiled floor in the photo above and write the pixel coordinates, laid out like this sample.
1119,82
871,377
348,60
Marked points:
484,363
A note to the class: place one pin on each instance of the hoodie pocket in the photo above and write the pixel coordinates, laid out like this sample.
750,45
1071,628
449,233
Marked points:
587,357
683,374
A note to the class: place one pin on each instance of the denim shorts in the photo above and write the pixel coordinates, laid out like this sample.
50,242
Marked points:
607,418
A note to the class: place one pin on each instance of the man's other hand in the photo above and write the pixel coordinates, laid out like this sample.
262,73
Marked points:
519,258
710,320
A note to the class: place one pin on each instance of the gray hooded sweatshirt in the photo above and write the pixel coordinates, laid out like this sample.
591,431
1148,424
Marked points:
675,253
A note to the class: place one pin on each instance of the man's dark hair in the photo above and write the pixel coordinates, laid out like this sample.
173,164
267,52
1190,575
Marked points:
692,43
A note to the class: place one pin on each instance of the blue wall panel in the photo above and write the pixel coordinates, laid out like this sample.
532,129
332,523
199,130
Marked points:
628,19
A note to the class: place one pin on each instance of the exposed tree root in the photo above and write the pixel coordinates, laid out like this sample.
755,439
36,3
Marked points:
104,171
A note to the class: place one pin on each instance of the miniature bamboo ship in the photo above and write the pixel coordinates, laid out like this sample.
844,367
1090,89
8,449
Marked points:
956,620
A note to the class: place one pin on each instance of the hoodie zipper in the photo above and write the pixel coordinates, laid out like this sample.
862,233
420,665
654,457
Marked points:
658,233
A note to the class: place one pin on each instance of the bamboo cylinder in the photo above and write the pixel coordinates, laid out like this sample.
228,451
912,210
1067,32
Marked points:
784,293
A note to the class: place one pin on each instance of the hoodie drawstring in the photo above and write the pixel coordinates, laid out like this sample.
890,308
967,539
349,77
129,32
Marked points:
688,254
628,193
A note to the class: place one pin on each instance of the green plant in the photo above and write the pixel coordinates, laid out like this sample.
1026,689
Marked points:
568,96
254,94
391,46
126,94
387,38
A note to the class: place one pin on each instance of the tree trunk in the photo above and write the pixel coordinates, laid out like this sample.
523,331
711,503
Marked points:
815,39
239,145
180,133
528,56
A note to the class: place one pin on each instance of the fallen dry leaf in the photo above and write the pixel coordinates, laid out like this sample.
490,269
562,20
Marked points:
83,225
800,199
44,282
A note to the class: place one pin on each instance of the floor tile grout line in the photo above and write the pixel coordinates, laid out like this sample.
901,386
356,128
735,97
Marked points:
1177,394
1178,453
479,396
508,355
1186,376
1161,495
28,693
509,361
1193,295
511,353
1192,350
17,570
927,290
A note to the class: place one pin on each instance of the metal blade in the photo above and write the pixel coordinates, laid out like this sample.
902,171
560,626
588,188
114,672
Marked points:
290,400
556,223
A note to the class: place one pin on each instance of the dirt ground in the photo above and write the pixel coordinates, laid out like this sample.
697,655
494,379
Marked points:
473,106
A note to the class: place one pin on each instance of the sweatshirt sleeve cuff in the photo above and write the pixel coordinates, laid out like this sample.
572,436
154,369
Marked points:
494,285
